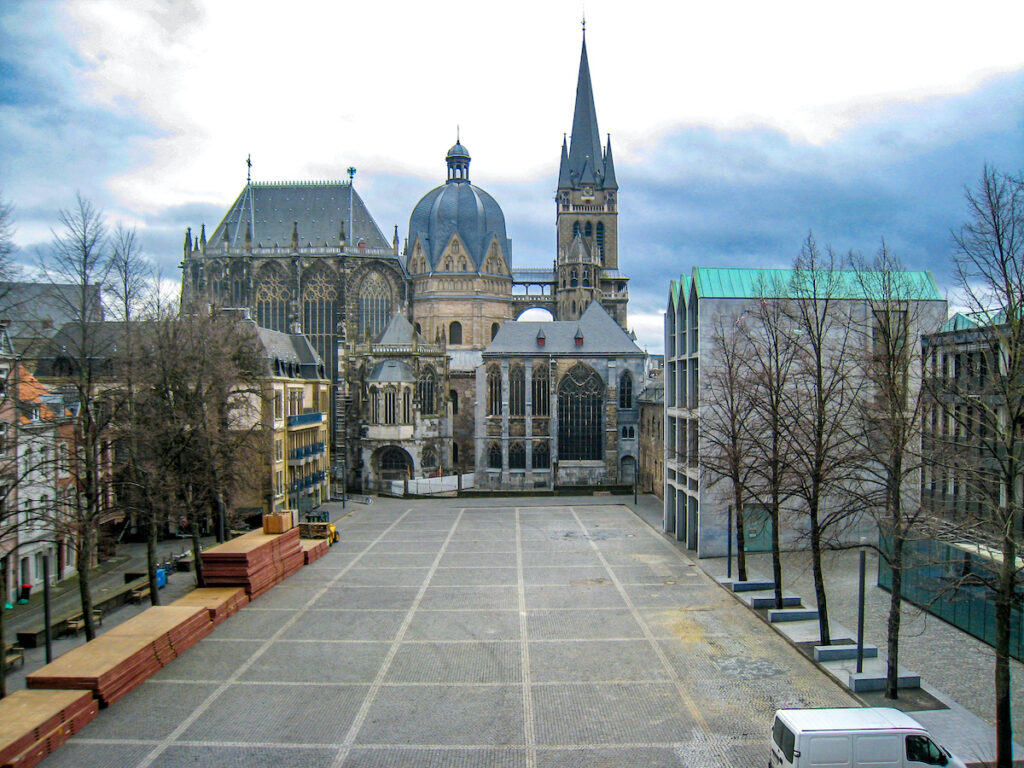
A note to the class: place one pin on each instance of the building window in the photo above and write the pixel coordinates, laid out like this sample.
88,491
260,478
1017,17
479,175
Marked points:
626,390
516,456
517,391
600,240
390,405
628,432
541,391
576,229
272,297
429,459
580,415
454,397
588,230
406,406
375,405
541,456
278,405
573,279
455,454
586,277
374,305
494,330
455,333
494,456
319,304
494,391
427,386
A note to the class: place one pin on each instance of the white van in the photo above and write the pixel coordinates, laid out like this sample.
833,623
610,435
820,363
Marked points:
870,737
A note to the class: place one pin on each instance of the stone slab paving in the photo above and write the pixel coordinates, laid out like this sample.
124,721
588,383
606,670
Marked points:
490,635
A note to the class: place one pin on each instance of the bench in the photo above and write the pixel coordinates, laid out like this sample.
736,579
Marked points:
77,623
13,654
139,594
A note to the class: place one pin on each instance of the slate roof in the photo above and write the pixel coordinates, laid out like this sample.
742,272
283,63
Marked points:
736,283
602,336
399,332
38,310
290,348
391,370
464,360
585,162
272,209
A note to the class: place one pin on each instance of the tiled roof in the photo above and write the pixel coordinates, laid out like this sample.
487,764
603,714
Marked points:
601,336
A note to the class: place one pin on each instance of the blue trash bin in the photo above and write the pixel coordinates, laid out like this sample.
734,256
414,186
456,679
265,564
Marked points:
161,578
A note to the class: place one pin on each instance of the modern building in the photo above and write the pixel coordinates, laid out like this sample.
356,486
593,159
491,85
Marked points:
717,301
311,255
556,404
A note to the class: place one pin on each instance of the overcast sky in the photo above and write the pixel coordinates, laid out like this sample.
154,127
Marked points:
737,126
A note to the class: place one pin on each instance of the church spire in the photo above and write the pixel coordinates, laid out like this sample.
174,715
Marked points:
586,139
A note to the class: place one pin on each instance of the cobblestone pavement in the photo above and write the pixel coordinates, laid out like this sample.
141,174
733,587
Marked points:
436,634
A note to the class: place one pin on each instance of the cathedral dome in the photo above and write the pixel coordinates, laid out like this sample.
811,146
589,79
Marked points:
458,208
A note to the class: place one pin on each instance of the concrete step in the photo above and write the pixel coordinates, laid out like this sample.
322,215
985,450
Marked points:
776,615
766,599
873,681
752,585
843,652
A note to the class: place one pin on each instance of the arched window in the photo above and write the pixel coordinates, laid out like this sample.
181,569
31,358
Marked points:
429,459
455,333
494,391
374,305
390,405
600,240
494,456
628,432
586,277
573,279
455,454
454,397
517,391
272,297
541,390
394,463
575,228
588,230
626,390
580,415
419,328
516,456
541,456
375,405
427,386
406,405
319,303
494,330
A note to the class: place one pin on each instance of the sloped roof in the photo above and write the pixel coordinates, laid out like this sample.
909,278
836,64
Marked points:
585,161
601,336
741,283
315,209
38,310
391,370
31,392
399,332
464,359
293,348
965,321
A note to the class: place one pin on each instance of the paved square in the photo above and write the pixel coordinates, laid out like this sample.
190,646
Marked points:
537,636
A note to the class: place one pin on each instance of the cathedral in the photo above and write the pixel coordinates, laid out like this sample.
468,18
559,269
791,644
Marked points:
405,331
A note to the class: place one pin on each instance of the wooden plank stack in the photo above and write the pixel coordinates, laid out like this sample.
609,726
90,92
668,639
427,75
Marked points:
221,602
120,659
34,723
256,561
313,549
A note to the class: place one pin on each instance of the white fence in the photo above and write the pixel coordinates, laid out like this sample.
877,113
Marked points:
423,486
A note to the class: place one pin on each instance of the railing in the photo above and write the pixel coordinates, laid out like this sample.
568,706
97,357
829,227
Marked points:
305,419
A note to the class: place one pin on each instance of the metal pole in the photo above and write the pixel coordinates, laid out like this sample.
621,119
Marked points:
860,616
634,484
344,482
728,557
46,608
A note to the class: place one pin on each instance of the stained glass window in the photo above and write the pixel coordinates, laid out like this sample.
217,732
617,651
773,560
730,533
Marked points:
580,415
374,305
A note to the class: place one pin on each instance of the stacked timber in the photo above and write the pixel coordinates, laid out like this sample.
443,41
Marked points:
313,549
34,723
256,561
221,602
119,660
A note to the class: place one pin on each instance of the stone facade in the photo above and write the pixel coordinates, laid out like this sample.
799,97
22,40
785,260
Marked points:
651,437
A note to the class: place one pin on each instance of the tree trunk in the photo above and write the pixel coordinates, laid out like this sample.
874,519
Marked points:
824,632
84,559
3,641
1004,601
892,633
197,550
741,555
151,544
776,557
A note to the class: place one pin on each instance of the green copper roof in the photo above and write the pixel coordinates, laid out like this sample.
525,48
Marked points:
965,321
737,283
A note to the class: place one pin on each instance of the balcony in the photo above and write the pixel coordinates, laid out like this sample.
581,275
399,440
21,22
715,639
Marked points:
305,454
305,419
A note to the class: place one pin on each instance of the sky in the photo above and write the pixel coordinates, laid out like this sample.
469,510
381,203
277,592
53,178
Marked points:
737,127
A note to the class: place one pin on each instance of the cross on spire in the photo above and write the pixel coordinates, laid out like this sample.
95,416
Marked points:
248,172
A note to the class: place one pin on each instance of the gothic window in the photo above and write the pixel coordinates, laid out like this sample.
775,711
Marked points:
573,279
494,456
454,397
541,456
455,333
626,390
580,415
429,459
541,391
517,391
394,463
600,240
419,328
238,297
448,265
375,405
319,303
575,229
588,231
494,330
516,456
455,454
272,298
406,406
390,405
374,305
494,391
628,432
462,265
586,277
427,386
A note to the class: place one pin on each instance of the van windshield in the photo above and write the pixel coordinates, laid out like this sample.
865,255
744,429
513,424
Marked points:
784,739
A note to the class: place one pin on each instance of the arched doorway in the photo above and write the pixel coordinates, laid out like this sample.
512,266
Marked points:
627,470
393,463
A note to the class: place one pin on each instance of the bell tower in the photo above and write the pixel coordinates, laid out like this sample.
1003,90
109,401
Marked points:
586,204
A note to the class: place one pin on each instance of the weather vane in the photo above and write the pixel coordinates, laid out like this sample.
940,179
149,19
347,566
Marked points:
583,21
248,172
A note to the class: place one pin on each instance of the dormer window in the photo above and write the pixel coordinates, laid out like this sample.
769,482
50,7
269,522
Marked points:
579,337
541,338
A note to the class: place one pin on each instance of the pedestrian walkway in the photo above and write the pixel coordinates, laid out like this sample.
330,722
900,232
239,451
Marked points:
955,668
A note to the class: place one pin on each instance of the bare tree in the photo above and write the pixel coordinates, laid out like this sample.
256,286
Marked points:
722,426
990,268
891,421
826,389
770,366
7,246
79,256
